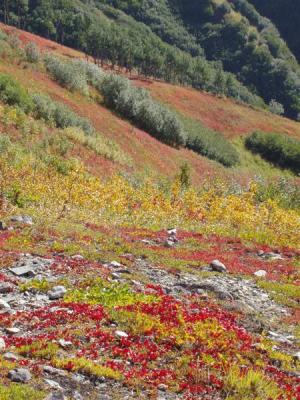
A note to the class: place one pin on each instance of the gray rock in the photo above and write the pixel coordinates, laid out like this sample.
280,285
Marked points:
6,287
162,387
217,266
56,396
272,256
169,243
19,375
54,371
115,264
4,306
53,384
77,396
57,292
22,219
26,270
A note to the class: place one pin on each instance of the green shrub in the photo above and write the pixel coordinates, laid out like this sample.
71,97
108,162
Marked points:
32,53
281,150
276,108
21,392
209,143
12,93
137,105
3,36
60,114
93,73
67,74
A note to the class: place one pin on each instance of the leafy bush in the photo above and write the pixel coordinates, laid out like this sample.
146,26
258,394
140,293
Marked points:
99,144
286,192
209,143
32,53
276,108
67,74
12,93
279,149
60,114
93,73
3,35
137,105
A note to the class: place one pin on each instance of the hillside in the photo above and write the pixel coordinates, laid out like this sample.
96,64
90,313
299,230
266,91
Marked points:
225,47
285,14
149,245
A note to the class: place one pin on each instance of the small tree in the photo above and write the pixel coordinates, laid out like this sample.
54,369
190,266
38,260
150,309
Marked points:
276,108
32,53
185,176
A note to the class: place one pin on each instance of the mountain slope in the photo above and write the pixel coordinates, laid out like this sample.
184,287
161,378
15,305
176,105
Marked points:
120,276
172,41
285,14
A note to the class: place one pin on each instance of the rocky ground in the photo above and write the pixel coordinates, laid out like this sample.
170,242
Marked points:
34,308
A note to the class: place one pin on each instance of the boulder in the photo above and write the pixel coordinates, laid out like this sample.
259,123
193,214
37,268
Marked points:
121,334
21,375
261,273
217,266
57,292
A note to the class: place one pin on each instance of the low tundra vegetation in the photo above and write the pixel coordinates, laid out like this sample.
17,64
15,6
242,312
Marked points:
281,150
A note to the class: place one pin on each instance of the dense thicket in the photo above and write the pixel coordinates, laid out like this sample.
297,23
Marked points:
286,16
233,33
114,38
58,113
12,93
137,105
279,149
209,143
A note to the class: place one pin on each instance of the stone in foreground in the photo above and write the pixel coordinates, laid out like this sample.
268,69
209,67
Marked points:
19,375
217,266
57,292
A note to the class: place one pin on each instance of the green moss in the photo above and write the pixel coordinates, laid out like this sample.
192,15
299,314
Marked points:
97,291
250,385
20,392
88,367
284,293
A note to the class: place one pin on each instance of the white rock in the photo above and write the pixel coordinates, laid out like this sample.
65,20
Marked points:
77,257
297,356
115,264
172,231
216,265
12,331
10,357
121,334
261,273
65,344
2,344
4,305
